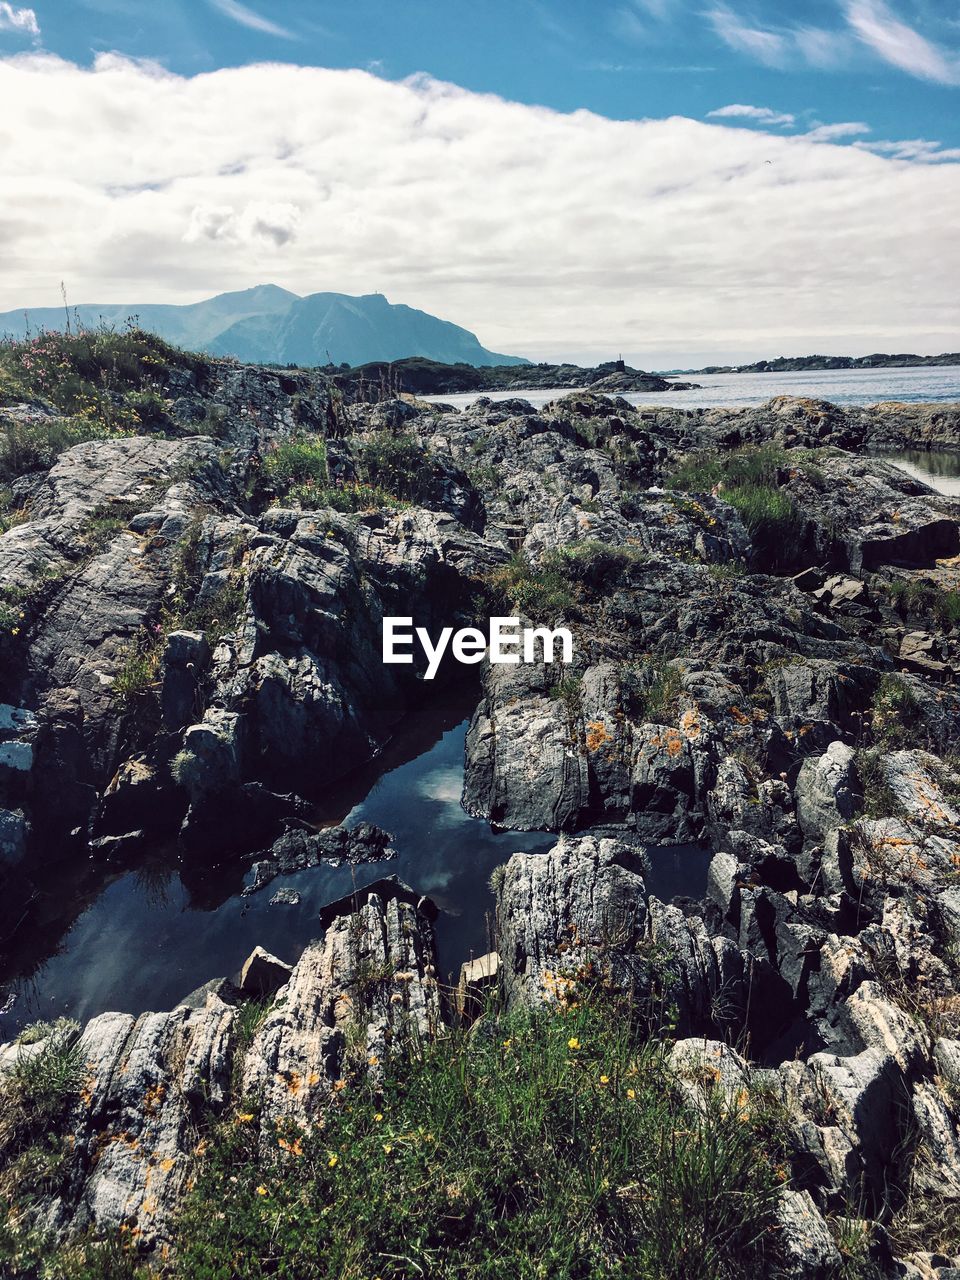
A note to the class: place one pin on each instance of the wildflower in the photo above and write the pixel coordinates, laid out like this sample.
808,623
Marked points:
378,1117
507,1044
373,1060
261,1190
340,1084
332,1162
388,1147
631,1094
245,1117
604,1079
573,1043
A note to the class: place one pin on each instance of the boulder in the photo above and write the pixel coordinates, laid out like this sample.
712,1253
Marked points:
263,974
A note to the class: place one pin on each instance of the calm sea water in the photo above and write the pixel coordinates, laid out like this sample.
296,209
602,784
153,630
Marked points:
847,386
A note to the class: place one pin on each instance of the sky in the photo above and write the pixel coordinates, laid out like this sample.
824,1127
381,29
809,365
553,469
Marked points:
679,181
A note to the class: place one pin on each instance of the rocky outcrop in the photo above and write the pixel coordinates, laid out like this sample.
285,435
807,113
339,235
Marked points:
151,1085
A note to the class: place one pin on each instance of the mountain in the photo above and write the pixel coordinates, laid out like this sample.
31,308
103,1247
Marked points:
269,325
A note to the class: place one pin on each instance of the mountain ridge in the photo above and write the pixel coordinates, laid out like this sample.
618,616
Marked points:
270,325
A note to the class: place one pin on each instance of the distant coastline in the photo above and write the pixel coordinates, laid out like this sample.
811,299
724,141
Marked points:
798,364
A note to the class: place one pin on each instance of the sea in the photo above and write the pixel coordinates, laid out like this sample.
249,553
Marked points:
739,390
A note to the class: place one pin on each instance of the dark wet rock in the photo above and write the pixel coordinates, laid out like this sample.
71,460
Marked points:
185,659
301,847
13,837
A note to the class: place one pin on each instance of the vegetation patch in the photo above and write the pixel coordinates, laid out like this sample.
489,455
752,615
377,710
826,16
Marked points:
914,597
896,716
651,692
113,377
750,480
554,1144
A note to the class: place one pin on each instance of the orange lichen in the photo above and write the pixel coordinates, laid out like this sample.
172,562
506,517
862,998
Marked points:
597,735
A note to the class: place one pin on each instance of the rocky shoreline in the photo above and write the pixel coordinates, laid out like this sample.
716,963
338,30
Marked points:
767,636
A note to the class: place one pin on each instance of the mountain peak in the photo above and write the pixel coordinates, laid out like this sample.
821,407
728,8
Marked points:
267,324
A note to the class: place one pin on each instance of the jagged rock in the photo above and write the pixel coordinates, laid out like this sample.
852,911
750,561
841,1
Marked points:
828,790
913,778
374,970
522,769
862,1096
809,1250
919,651
579,904
301,847
881,1025
184,660
263,974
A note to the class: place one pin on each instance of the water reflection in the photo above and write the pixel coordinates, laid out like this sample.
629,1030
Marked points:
939,469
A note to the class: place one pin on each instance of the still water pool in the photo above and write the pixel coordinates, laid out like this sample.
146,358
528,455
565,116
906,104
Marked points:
145,938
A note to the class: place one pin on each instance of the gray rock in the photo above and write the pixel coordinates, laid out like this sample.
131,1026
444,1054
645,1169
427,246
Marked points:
827,790
263,974
809,1250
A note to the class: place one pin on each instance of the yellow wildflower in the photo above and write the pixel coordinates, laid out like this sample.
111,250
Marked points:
604,1079
378,1117
332,1162
245,1117
573,1043
261,1191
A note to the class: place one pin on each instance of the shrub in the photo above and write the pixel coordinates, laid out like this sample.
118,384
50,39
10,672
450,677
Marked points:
542,592
916,596
102,373
138,672
36,445
301,460
896,716
397,464
42,1082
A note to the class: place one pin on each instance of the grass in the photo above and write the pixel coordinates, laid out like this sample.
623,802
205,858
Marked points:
896,716
749,479
564,579
651,692
35,446
18,603
879,800
553,1144
109,519
541,592
915,597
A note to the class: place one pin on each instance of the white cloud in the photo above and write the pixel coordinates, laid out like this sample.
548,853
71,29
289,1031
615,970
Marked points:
761,115
833,132
23,21
247,18
917,150
768,47
895,42
550,235
257,221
